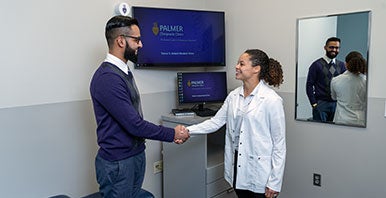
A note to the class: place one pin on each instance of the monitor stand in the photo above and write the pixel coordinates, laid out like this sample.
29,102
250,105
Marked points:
201,107
204,112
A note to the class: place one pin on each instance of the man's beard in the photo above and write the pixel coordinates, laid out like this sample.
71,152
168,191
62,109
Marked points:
331,55
130,54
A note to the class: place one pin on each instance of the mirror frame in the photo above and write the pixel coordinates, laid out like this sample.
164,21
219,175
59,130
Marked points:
341,57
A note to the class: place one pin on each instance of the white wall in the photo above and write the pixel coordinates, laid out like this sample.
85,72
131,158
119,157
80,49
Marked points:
50,49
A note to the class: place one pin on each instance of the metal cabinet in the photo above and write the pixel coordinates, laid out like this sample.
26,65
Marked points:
194,169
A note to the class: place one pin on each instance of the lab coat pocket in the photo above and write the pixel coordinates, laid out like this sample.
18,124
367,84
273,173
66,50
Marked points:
259,169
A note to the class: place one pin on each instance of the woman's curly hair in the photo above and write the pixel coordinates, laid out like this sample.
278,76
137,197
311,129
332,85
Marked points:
355,63
271,71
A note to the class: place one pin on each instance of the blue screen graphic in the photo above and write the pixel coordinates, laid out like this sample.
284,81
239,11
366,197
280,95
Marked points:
174,37
201,87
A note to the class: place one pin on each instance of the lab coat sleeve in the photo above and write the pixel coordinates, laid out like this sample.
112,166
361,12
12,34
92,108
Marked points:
277,127
213,124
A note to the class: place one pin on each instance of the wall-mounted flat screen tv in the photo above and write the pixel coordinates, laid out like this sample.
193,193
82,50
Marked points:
180,38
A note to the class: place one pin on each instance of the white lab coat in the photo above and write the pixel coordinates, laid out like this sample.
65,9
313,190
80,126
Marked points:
350,92
262,146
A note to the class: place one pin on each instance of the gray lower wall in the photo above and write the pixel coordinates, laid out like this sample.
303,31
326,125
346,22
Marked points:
49,149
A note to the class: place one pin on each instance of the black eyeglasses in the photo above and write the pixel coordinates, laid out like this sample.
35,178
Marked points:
333,47
136,39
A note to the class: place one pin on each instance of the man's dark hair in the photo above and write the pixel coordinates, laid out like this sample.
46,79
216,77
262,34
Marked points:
332,39
115,27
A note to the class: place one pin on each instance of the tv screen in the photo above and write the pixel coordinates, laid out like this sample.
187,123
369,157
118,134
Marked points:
180,38
201,87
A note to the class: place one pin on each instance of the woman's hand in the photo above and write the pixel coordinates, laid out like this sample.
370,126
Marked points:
269,193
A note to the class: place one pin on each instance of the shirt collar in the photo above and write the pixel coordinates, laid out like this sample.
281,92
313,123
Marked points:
255,90
328,60
117,62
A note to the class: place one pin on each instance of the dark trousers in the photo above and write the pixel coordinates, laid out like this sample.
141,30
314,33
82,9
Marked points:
243,193
324,112
123,178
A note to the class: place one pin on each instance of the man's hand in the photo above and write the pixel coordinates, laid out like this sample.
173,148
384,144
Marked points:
181,134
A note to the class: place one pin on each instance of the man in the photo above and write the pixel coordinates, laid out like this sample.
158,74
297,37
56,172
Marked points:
319,78
121,129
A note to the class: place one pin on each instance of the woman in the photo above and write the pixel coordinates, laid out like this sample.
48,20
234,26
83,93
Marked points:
349,89
255,145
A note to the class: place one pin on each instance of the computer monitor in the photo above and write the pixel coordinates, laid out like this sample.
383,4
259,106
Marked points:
201,87
180,37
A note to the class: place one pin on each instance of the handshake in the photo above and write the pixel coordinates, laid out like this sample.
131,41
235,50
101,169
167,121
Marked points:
181,134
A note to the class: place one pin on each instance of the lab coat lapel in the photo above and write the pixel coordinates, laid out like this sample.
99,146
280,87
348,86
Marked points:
257,99
255,103
236,100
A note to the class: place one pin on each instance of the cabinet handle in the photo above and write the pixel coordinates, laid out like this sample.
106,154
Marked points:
229,190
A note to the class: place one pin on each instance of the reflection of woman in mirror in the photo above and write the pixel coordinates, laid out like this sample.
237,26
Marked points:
319,77
349,89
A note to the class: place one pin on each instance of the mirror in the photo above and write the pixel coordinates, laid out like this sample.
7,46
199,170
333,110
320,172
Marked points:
353,30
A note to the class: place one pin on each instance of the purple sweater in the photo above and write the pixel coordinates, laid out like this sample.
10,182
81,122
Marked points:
318,84
119,125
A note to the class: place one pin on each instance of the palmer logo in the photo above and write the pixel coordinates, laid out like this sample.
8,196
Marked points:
167,30
195,83
155,29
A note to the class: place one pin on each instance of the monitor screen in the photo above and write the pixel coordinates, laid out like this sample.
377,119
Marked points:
180,38
201,87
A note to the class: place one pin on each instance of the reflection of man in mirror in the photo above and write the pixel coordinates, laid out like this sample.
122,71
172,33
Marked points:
319,78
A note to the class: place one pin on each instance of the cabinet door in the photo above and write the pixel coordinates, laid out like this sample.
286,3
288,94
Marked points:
227,194
184,168
217,187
